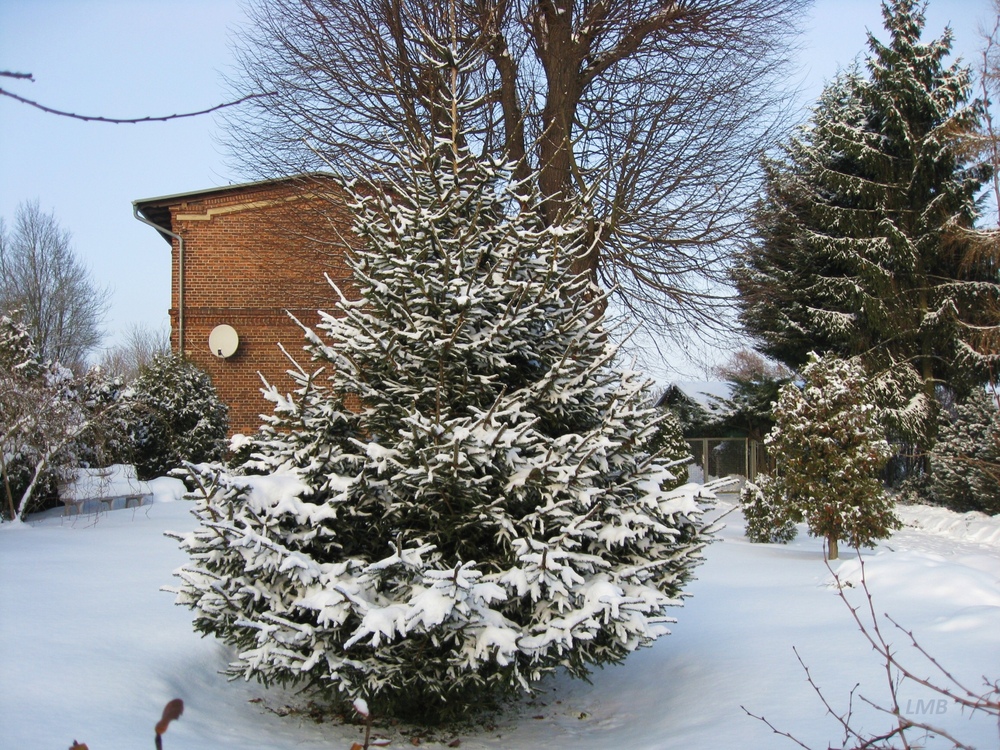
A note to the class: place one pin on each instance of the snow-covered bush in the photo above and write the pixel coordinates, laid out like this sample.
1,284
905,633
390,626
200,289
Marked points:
492,510
828,450
768,517
22,382
108,441
173,415
50,422
965,462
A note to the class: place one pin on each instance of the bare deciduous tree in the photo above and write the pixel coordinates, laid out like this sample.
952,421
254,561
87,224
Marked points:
985,143
44,412
748,365
41,277
653,111
138,348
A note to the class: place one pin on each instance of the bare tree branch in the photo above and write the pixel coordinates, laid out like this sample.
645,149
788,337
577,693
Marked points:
896,673
654,112
115,120
774,729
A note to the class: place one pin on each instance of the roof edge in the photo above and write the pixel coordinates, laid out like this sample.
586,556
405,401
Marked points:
167,200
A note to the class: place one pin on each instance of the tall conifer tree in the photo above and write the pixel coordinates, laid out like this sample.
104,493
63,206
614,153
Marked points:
864,229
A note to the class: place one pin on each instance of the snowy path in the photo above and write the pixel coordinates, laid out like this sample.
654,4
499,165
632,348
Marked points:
92,650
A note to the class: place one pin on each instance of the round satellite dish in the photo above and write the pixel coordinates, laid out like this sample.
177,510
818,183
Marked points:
223,341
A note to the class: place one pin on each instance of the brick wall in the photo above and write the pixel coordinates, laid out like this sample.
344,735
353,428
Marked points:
250,254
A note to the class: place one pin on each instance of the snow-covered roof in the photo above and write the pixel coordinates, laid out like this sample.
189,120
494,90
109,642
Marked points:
705,392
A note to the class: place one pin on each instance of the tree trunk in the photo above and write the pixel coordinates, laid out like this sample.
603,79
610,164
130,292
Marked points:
931,393
833,549
561,52
8,493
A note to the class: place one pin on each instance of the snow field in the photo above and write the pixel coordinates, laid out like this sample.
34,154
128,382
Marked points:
93,649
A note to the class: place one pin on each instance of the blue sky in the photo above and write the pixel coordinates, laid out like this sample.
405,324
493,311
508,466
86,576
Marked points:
132,58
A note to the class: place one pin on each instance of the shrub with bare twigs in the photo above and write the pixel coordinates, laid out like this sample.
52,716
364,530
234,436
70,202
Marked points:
902,725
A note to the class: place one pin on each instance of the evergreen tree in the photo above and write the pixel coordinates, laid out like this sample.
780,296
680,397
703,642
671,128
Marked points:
692,419
768,516
864,230
828,451
173,414
491,509
965,462
787,284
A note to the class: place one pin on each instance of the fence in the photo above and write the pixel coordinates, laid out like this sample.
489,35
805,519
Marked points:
715,458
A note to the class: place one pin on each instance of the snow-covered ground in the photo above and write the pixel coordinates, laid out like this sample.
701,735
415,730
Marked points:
91,649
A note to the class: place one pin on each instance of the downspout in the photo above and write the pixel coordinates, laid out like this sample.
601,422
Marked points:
180,273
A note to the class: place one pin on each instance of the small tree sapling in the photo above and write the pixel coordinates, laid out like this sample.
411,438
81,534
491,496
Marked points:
828,449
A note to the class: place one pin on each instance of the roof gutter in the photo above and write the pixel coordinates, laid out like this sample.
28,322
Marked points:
180,272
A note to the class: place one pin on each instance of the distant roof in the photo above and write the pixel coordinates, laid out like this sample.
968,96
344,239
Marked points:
157,210
705,392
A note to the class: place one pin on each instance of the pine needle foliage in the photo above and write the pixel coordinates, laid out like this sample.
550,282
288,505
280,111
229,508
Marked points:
865,230
965,462
173,415
464,494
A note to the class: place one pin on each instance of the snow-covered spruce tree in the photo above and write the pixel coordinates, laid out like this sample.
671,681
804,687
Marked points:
864,231
828,449
965,462
491,510
173,415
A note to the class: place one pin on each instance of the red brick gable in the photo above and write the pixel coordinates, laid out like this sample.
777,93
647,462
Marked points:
252,254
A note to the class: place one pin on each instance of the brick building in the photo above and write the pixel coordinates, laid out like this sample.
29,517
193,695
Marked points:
245,256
